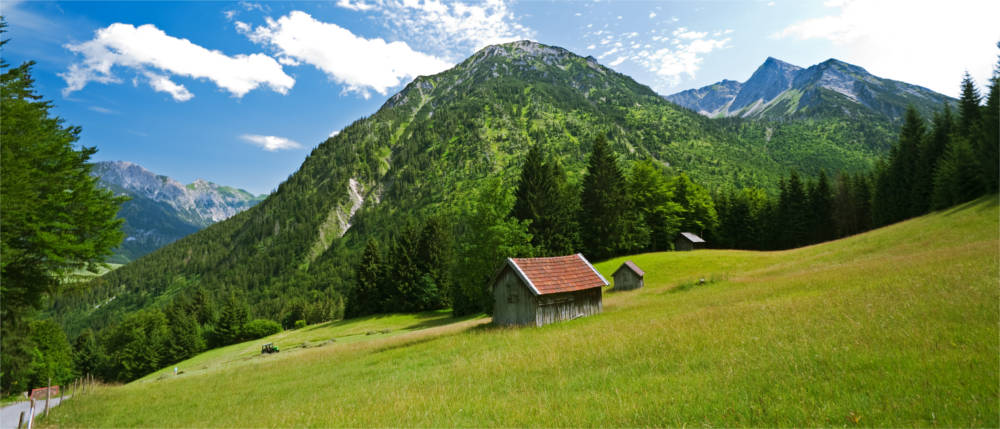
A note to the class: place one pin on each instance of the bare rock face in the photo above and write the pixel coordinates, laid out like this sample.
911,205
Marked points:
779,90
162,210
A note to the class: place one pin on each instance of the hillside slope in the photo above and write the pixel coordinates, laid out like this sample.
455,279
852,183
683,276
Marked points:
894,327
429,148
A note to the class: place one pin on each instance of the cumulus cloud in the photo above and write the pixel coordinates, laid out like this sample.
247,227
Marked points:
454,28
161,83
147,47
652,15
358,63
358,5
929,43
271,143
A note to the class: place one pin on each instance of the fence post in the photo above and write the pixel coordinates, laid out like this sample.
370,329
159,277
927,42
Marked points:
48,395
20,420
31,413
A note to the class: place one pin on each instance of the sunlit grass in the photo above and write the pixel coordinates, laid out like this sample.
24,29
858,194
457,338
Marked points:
896,327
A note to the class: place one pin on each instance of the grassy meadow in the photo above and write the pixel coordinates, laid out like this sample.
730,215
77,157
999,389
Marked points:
894,327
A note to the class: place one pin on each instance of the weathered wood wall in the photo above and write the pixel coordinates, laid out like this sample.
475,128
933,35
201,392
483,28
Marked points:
514,303
568,305
626,279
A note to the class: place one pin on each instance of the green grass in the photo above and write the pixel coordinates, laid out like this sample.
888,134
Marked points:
895,327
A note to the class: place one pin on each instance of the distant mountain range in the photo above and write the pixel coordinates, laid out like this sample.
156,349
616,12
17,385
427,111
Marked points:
779,90
162,210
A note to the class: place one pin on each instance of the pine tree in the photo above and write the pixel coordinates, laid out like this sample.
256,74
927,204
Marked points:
957,179
185,339
365,298
989,152
911,137
931,152
434,256
793,213
233,316
843,207
969,118
821,225
604,205
548,203
863,202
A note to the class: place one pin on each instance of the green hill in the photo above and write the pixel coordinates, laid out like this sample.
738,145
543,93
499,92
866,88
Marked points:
431,147
894,327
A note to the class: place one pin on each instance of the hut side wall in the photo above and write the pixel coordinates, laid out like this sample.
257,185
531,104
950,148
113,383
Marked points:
683,245
568,305
626,279
513,302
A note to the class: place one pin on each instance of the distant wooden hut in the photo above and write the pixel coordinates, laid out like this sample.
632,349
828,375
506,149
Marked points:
539,291
688,241
628,276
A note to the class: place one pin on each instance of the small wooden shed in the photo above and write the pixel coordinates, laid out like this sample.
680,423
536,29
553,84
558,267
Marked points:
539,291
688,241
628,276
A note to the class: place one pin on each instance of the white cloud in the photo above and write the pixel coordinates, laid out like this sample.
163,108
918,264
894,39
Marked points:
103,110
652,15
452,28
924,42
684,57
334,134
358,5
161,83
146,47
271,143
770,3
591,46
358,63
618,61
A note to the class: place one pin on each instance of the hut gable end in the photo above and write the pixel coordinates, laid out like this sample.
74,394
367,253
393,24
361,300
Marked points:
544,290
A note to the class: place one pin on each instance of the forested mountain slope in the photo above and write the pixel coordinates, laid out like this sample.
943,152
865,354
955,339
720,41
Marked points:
434,145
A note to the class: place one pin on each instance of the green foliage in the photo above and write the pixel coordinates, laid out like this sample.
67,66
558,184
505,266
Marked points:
299,324
233,316
366,297
54,217
89,357
957,178
697,210
486,237
260,328
51,357
137,345
653,200
608,226
549,204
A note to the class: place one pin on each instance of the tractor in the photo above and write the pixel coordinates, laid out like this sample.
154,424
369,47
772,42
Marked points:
268,349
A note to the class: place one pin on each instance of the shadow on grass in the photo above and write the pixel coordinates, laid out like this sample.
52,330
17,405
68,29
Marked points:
988,202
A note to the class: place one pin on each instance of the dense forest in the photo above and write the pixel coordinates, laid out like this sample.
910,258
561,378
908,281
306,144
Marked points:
513,153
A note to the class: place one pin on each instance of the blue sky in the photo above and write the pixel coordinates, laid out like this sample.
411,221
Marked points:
240,92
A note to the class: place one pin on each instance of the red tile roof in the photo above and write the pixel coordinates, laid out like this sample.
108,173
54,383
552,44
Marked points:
632,266
557,274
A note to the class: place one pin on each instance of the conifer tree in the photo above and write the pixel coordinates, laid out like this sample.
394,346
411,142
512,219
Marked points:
433,259
233,316
957,179
989,153
793,209
603,201
821,225
968,109
548,202
365,298
843,207
931,152
185,339
862,202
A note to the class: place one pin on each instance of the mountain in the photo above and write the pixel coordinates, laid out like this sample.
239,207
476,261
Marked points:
429,151
779,90
162,210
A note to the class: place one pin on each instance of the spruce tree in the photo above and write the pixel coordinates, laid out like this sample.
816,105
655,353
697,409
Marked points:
548,202
843,207
793,213
957,179
434,256
969,117
365,298
233,316
931,152
989,153
603,202
821,223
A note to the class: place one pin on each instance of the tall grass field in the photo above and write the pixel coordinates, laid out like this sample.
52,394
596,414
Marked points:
895,327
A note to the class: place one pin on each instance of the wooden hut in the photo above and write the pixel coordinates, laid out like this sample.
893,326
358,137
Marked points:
688,241
539,291
628,276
